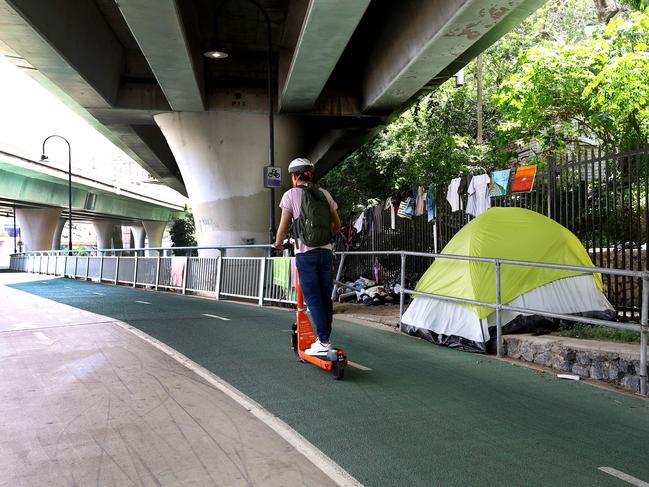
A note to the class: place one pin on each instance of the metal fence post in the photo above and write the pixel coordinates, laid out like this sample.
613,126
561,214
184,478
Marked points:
101,265
157,272
339,274
499,323
47,265
217,285
262,279
643,334
76,264
117,271
65,264
552,187
135,270
402,295
87,266
185,273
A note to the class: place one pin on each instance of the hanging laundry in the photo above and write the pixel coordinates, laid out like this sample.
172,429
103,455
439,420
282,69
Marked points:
282,271
478,201
410,209
524,179
358,224
452,195
421,201
369,220
377,216
463,187
499,183
378,270
293,272
430,204
177,271
404,209
462,190
389,205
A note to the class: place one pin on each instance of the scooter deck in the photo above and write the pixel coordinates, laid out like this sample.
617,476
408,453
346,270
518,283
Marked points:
315,360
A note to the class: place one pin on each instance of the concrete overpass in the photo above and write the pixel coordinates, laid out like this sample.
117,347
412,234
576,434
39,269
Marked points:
38,193
134,69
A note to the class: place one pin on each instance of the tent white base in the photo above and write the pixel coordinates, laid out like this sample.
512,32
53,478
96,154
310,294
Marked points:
458,325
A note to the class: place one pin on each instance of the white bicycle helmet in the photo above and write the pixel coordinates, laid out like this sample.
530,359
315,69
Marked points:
300,164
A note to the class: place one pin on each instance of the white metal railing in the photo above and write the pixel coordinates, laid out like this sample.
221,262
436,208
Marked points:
221,276
498,306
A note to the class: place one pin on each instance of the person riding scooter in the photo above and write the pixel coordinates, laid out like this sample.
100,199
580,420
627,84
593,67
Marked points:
315,220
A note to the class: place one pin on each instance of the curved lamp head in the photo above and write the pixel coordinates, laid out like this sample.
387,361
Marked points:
216,53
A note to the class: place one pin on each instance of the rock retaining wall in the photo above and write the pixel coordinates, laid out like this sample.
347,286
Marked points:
615,363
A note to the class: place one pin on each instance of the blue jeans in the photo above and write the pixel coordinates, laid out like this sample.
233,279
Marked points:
316,280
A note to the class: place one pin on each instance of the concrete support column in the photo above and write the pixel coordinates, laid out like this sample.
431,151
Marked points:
138,236
117,237
221,155
104,231
56,239
154,231
37,227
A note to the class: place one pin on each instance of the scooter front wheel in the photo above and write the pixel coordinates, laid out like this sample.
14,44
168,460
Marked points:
338,370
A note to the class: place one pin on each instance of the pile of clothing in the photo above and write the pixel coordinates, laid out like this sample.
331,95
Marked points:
365,291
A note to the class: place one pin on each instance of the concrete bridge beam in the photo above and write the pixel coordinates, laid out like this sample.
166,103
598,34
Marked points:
154,231
117,237
104,231
56,239
138,236
37,226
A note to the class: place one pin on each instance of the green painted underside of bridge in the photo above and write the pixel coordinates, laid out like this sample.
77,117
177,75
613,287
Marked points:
29,186
423,415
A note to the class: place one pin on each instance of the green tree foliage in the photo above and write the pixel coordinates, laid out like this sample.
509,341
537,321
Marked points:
559,73
596,86
637,4
183,233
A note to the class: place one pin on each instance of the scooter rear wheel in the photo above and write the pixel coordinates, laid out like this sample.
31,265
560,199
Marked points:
338,370
294,342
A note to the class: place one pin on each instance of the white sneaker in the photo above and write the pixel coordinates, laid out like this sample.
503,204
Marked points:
318,348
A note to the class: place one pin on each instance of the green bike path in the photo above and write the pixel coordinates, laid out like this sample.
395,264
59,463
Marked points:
423,415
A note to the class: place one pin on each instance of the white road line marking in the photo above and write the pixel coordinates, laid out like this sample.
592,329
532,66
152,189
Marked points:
334,471
358,366
624,476
143,302
98,294
215,316
43,338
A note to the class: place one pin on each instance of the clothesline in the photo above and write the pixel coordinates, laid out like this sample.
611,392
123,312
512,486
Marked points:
471,193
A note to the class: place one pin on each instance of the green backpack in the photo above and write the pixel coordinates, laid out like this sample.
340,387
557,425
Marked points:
313,227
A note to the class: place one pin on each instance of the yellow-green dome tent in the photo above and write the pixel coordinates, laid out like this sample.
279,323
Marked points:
506,233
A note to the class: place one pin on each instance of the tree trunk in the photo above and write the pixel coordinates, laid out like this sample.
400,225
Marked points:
606,10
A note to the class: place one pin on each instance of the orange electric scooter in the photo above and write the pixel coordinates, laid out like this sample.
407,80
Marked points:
303,337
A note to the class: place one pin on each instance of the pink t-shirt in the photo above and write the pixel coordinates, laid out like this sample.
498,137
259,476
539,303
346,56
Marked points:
292,201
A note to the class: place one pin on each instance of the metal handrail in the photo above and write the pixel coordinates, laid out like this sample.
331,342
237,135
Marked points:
498,306
144,249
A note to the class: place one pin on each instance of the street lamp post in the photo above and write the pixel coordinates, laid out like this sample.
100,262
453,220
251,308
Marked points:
44,158
15,236
219,53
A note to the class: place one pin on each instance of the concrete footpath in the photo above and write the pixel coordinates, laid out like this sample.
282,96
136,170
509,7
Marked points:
85,402
409,413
